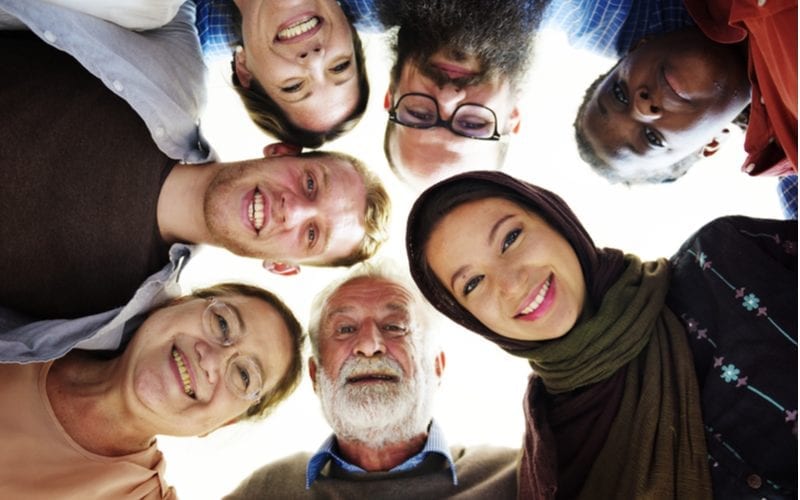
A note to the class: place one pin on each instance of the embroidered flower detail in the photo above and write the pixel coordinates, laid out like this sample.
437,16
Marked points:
701,334
701,259
718,361
750,302
691,324
742,381
791,415
777,239
730,373
739,293
762,311
790,247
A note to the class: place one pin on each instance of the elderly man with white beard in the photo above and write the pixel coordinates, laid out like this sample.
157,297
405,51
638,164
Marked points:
375,369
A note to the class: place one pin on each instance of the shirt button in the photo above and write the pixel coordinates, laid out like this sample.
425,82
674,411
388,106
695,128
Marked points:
754,481
750,168
49,36
117,85
761,3
761,100
160,131
771,140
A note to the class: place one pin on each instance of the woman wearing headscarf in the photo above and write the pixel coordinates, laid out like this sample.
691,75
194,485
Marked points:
625,398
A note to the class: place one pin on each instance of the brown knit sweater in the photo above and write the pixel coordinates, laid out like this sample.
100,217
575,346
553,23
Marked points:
483,473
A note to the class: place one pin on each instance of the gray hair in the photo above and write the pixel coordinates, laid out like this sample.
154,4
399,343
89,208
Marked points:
424,316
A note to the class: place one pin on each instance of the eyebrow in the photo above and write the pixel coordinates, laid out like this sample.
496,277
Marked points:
238,315
322,246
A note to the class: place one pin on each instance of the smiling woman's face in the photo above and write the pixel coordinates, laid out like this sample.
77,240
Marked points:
176,378
509,268
302,54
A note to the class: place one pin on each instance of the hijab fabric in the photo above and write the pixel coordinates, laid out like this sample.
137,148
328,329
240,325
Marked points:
626,343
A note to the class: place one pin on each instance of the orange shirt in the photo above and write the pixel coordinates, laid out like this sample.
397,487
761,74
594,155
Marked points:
39,460
770,28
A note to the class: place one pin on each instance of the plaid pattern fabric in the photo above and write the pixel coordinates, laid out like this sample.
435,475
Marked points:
216,27
363,14
612,27
436,443
787,192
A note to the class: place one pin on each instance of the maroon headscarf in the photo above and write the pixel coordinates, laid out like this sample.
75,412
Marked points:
601,267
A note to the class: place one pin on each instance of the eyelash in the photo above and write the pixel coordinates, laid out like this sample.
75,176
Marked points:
652,138
510,238
292,88
339,68
619,94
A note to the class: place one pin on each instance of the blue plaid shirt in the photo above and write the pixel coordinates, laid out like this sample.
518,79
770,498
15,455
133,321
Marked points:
216,27
436,443
787,191
612,27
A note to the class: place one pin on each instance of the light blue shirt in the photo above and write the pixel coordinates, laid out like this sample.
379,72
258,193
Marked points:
435,444
25,342
160,73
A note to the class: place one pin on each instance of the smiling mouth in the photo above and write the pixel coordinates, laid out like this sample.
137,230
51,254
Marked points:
184,373
372,377
298,28
537,301
256,211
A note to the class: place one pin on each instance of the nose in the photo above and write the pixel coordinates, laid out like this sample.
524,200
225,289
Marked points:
449,97
295,210
646,105
212,360
508,279
370,341
311,52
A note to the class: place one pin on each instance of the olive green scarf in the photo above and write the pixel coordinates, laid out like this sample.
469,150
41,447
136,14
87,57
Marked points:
656,445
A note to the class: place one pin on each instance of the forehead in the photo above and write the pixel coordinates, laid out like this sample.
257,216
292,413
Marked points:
367,296
326,105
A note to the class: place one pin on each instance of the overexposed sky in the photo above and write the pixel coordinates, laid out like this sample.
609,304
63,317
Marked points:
480,400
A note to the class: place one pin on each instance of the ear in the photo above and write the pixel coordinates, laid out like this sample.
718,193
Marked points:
439,363
281,149
387,100
514,120
281,268
312,372
712,147
240,66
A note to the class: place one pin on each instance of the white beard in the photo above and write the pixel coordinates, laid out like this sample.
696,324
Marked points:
377,414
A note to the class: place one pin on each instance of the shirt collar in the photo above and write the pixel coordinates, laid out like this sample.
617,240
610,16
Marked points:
436,443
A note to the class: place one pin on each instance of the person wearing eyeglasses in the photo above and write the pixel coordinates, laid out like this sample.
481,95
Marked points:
84,425
455,83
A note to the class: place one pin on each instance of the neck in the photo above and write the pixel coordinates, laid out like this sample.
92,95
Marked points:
84,394
180,203
384,458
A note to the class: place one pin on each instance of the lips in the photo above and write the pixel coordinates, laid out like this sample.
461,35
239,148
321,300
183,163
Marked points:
299,29
371,377
674,84
183,372
538,302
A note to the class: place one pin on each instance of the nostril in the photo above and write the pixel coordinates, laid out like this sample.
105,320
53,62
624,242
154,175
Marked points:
655,109
643,94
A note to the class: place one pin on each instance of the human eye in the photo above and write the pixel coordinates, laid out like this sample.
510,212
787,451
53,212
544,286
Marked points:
290,89
510,238
471,284
244,376
422,115
310,185
311,235
653,138
345,329
472,124
619,93
342,66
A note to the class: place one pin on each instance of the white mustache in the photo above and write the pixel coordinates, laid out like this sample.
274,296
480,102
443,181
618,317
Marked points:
357,367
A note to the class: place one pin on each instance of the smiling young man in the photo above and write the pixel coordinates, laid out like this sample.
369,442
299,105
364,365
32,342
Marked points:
376,371
91,208
454,87
669,102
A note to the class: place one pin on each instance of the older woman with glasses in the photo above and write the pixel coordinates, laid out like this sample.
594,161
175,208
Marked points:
84,425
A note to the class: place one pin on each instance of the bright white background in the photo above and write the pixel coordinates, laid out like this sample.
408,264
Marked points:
481,395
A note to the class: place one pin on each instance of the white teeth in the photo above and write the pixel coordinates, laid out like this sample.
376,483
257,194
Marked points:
538,300
257,211
184,373
298,29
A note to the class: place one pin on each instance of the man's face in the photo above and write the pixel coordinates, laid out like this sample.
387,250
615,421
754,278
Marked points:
302,53
302,209
664,101
427,155
373,376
